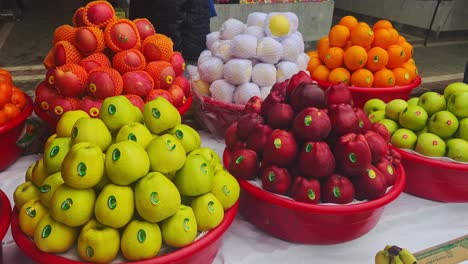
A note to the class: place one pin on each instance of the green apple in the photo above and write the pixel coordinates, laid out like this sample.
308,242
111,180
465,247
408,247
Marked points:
429,144
457,149
443,123
139,115
98,243
374,105
24,193
180,229
187,136
432,102
394,108
195,177
458,104
83,166
67,121
29,216
39,173
208,211
453,88
377,116
73,207
390,124
91,130
55,153
141,240
126,162
52,236
166,154
413,101
48,188
28,174
225,188
156,197
160,115
49,140
209,155
136,132
115,205
117,111
463,129
404,138
413,117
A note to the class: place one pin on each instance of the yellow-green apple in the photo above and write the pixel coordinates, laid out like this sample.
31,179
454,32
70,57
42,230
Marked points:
195,177
39,173
66,122
55,153
453,88
180,229
135,131
432,102
413,117
431,145
30,214
457,104
166,154
98,243
394,108
48,188
374,105
126,162
25,192
91,130
156,197
209,155
390,124
138,115
225,188
117,111
28,174
49,140
457,149
443,123
52,236
377,116
73,207
413,101
160,115
187,137
115,205
141,240
208,211
404,138
463,129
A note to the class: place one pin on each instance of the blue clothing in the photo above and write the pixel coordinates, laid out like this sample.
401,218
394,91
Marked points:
212,9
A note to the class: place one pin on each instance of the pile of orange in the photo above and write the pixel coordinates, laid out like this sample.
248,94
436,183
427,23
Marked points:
12,99
363,56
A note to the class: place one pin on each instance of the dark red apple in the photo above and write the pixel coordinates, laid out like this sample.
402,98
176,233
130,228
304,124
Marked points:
230,136
338,94
388,170
246,123
145,28
337,189
50,78
258,138
297,79
370,184
382,131
89,40
352,154
273,98
343,119
104,82
244,164
364,122
177,94
155,93
306,190
275,179
280,116
61,104
253,105
307,95
44,96
394,157
311,124
136,101
282,87
184,84
377,145
178,63
137,82
280,148
91,106
316,160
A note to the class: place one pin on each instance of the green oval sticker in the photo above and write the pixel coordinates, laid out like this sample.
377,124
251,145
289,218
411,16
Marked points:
308,147
54,151
239,159
179,134
154,197
81,168
141,235
390,169
66,205
371,174
311,194
271,176
307,120
115,154
46,231
169,145
186,224
31,212
337,192
226,190
112,109
45,188
156,113
89,252
277,143
352,157
132,137
211,208
111,202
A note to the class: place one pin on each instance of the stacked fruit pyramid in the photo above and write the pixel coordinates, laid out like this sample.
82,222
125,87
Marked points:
102,56
356,54
434,125
12,99
246,60
123,182
312,145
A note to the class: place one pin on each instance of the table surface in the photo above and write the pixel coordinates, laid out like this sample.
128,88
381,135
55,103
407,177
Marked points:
409,222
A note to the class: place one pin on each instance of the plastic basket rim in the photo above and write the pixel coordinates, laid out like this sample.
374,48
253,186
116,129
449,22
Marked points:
5,213
12,123
383,90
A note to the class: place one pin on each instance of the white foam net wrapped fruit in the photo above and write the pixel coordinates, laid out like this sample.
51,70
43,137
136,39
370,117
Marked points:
285,69
244,46
238,71
244,92
211,69
222,90
231,28
264,74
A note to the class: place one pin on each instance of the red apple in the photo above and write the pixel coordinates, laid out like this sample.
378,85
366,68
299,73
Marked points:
377,145
177,95
296,80
382,131
162,73
306,190
178,63
307,95
89,40
91,106
233,142
246,123
129,60
388,170
258,137
244,164
50,78
311,124
338,94
343,119
280,148
78,20
282,87
275,179
122,34
370,184
254,105
273,98
145,28
280,116
337,189
98,13
155,93
61,104
71,80
94,61
394,157
44,96
137,82
316,160
364,122
183,83
136,101
352,154
104,82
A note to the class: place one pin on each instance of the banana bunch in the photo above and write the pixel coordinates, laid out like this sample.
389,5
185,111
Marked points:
395,255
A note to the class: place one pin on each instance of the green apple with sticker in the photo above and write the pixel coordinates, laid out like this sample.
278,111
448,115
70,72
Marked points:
115,205
48,188
160,115
98,243
91,130
30,214
166,154
116,111
24,193
52,236
180,229
195,177
73,207
141,240
55,153
208,211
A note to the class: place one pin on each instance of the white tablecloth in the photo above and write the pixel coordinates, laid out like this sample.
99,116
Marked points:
409,222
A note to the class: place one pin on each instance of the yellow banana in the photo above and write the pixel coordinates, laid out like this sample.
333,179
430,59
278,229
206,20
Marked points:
396,260
382,257
406,256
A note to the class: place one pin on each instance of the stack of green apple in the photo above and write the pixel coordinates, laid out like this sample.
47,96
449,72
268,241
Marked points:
434,125
128,182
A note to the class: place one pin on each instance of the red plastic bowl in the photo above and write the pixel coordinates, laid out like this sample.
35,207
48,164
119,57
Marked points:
5,214
203,250
435,179
312,224
10,132
361,94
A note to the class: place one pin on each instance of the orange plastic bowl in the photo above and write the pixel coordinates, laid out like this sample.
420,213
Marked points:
312,224
203,250
435,179
361,94
10,132
5,214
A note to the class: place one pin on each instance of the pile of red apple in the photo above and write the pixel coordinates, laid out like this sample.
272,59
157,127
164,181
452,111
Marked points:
100,56
312,145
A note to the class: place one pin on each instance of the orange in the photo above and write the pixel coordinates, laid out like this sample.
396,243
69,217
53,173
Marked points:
382,24
362,78
334,57
313,53
338,36
377,59
348,44
355,57
412,70
364,24
348,21
5,93
412,61
408,48
402,76
396,56
382,38
362,36
321,73
5,77
322,47
394,35
313,64
338,75
11,110
384,78
401,39
3,117
18,98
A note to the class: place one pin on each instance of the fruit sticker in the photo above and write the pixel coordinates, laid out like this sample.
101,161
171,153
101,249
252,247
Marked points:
371,174
66,205
115,154
239,159
156,113
311,194
51,80
58,110
89,252
154,197
45,188
337,192
203,168
308,147
277,143
46,231
308,120
169,145
169,79
45,105
112,109
132,137
111,202
390,169
226,191
179,134
54,151
141,235
81,168
271,176
352,157
361,123
94,112
186,224
31,212
211,208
